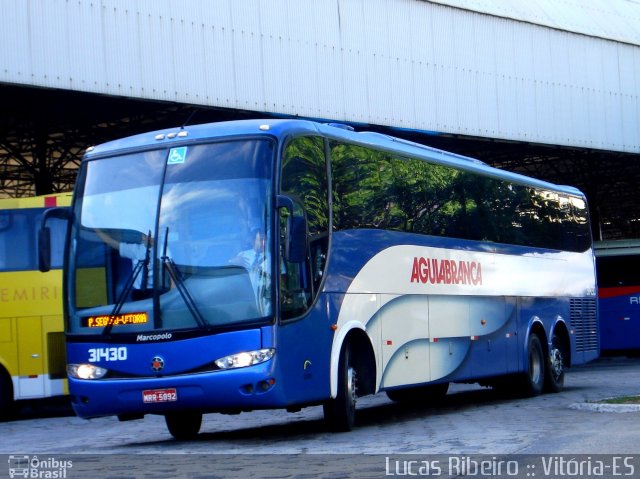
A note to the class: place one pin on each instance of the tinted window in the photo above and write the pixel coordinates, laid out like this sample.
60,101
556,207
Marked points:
615,271
376,189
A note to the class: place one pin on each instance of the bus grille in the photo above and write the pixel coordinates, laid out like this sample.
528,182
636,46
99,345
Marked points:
584,320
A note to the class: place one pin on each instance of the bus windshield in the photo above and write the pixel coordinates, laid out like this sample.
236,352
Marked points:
172,239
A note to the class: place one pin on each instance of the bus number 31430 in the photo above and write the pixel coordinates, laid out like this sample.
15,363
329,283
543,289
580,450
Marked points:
107,354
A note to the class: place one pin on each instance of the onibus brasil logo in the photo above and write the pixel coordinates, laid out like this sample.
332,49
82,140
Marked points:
34,467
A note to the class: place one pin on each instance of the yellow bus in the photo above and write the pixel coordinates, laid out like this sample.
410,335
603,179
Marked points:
32,354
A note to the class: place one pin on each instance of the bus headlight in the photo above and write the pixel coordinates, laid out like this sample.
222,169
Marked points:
244,359
85,371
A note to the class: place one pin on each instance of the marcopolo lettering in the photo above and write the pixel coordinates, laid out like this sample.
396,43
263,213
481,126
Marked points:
153,337
446,271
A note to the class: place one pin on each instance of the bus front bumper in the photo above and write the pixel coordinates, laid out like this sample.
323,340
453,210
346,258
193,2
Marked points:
233,390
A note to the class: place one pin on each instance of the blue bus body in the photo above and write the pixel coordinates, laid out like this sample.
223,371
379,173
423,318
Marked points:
375,298
617,263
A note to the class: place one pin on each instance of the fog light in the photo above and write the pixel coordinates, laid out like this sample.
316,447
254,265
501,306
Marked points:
265,385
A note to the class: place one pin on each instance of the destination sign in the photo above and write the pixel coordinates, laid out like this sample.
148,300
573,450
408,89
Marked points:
120,319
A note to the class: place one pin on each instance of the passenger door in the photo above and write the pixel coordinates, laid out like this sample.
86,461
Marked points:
304,180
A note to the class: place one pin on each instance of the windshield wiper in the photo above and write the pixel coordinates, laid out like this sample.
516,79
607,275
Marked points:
178,280
184,292
143,266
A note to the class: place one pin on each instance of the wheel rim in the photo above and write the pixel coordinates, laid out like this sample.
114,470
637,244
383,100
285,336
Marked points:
351,387
535,367
557,363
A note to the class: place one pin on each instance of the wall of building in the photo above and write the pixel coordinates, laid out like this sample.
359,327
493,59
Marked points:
412,64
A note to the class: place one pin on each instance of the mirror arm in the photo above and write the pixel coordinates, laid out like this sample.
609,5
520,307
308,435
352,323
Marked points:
284,202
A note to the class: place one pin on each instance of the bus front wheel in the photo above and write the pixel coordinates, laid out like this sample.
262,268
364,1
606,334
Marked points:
533,379
6,396
340,412
183,425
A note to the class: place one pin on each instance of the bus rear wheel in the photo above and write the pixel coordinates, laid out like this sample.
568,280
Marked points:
532,381
340,412
554,379
183,425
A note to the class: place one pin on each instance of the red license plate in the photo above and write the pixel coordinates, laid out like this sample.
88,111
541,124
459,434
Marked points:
159,395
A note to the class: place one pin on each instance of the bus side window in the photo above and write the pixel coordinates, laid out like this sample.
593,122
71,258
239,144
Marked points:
304,178
17,229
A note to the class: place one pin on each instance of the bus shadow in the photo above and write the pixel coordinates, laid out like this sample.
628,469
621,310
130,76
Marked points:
374,415
392,412
39,409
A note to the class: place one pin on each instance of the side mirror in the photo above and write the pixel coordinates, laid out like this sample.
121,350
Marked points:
295,238
296,250
44,236
44,249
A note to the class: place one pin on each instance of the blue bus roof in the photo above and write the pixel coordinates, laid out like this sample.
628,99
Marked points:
284,128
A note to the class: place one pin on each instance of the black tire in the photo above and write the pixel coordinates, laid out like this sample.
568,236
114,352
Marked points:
532,381
183,425
340,412
420,395
7,404
555,366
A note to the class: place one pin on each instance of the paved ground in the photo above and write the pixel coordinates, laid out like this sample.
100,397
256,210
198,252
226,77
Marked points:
470,421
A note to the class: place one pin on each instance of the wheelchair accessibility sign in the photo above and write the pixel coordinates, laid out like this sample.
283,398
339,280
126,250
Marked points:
177,156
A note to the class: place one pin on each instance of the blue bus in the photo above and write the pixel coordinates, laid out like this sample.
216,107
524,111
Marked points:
267,264
617,266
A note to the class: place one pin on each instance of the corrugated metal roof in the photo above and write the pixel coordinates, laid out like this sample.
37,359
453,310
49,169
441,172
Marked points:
414,64
617,20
